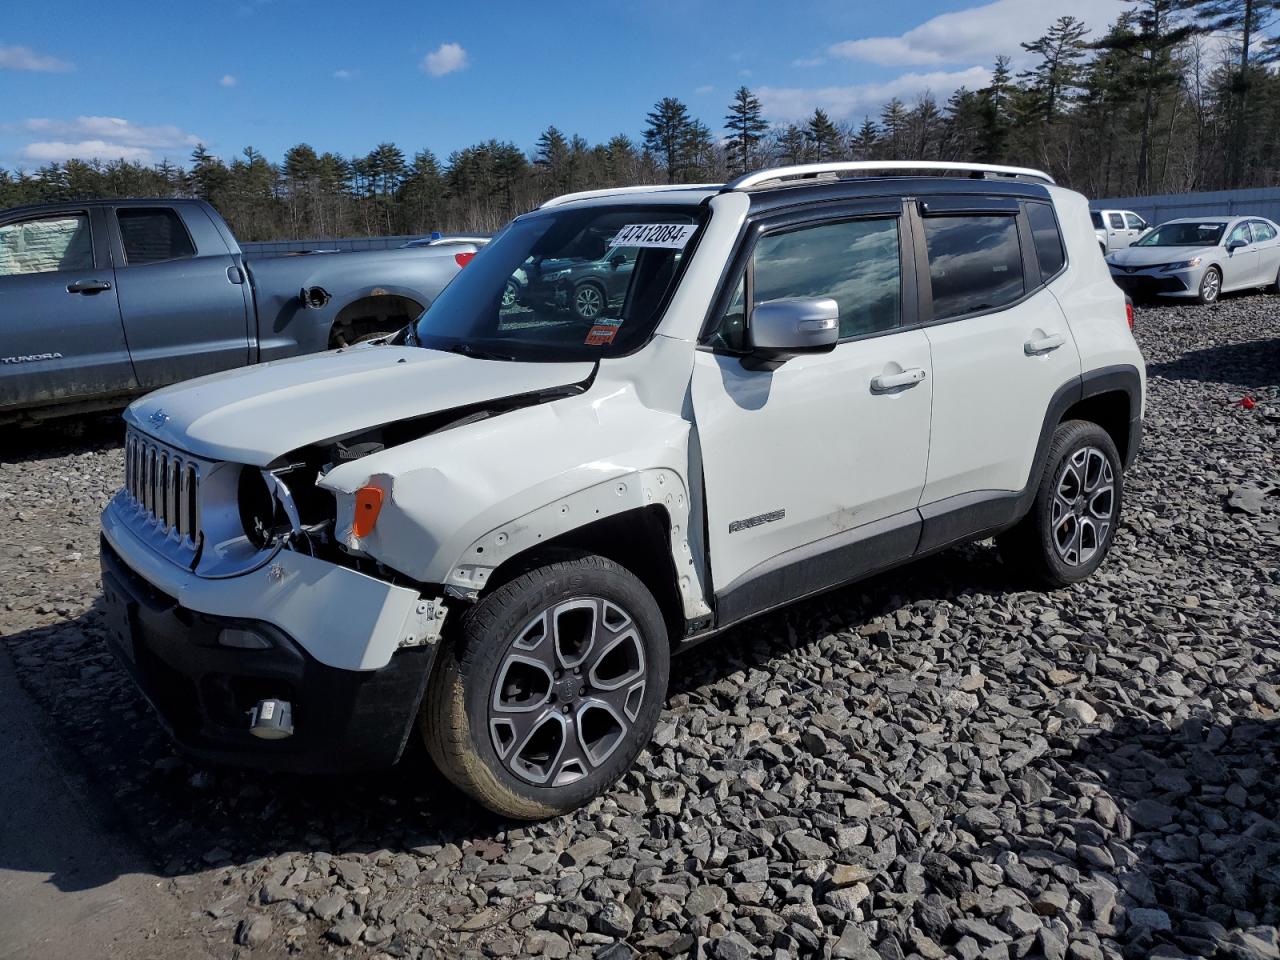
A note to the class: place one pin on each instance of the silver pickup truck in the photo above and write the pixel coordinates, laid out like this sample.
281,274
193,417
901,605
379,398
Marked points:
105,300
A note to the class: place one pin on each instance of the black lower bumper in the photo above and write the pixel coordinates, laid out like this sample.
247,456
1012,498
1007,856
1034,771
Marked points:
343,720
1146,285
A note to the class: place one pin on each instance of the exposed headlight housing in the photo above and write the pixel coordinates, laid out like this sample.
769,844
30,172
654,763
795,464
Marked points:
555,275
1182,265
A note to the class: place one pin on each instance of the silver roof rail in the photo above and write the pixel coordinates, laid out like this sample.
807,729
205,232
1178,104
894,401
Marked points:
611,191
755,179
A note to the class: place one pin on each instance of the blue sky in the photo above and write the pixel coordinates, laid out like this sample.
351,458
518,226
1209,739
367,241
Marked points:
147,80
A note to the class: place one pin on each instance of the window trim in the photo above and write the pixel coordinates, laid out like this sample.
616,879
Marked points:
1024,241
742,263
124,251
47,215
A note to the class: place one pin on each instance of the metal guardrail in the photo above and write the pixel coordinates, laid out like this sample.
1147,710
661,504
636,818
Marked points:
1261,202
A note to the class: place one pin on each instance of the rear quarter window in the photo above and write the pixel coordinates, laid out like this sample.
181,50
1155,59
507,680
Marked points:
1047,238
975,263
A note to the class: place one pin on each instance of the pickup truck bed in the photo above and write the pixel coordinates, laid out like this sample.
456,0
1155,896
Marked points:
106,300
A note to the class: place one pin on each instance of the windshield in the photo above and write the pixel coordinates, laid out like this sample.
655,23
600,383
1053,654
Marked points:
1184,235
567,285
1097,219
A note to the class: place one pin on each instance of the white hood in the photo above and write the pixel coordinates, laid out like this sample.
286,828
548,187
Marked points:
256,414
1151,256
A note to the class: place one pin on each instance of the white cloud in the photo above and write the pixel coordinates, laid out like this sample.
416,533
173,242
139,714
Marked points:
975,35
228,80
809,62
851,102
703,90
345,74
446,58
103,138
24,58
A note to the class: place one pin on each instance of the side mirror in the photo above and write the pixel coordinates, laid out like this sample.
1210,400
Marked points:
782,329
617,260
1233,245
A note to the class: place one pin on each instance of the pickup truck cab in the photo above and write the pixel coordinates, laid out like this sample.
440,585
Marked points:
109,299
1117,229
497,529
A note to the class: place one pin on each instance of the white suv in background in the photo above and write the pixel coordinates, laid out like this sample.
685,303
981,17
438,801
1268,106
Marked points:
497,528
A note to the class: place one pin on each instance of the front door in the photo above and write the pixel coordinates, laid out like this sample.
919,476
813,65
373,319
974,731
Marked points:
182,294
60,332
805,462
1240,266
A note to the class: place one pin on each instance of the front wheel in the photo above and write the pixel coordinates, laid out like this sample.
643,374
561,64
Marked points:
1210,286
1073,519
552,686
588,302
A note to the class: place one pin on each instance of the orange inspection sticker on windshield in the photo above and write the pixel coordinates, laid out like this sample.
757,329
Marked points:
603,333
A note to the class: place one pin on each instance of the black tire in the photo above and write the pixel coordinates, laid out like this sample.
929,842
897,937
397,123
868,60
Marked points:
510,294
1274,286
472,735
589,293
1210,286
1040,543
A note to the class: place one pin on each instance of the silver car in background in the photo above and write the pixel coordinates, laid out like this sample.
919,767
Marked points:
1200,258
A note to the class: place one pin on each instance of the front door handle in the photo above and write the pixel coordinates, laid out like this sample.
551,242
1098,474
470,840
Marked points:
1042,345
892,381
88,286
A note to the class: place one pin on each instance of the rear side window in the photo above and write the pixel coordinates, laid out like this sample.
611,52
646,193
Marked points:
855,262
975,263
153,235
1116,220
1097,219
1047,238
47,245
1263,231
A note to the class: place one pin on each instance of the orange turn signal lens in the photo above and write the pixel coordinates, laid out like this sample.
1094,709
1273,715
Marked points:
368,506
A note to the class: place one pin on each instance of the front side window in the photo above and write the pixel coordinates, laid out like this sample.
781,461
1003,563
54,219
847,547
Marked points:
1047,238
46,245
570,284
1134,221
975,263
1240,235
153,235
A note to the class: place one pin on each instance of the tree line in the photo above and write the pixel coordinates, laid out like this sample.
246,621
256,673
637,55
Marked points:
1174,96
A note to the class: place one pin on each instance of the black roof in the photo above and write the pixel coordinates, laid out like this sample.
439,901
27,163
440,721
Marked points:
86,204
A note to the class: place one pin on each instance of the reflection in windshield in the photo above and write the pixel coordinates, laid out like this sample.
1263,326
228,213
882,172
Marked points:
1184,235
555,286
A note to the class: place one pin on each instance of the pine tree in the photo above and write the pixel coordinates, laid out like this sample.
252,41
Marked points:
793,145
1058,69
666,134
746,126
893,121
823,137
865,141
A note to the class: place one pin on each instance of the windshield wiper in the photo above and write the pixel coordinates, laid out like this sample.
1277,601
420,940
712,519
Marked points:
467,350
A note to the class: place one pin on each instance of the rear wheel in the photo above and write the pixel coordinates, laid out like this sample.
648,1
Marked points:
552,687
1072,522
1210,286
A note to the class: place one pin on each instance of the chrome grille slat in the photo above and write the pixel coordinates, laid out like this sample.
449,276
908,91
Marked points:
163,485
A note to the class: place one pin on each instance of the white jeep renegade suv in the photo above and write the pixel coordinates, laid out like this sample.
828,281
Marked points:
498,527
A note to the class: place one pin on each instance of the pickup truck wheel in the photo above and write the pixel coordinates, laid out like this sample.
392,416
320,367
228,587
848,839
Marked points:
549,689
1072,522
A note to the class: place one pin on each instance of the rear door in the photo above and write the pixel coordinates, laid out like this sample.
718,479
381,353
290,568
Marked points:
1000,343
182,295
60,331
1267,240
1117,231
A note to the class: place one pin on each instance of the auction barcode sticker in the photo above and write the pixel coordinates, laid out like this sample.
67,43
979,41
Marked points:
667,236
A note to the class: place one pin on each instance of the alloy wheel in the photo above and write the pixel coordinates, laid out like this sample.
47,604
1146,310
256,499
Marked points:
510,293
569,688
587,302
1083,504
1211,286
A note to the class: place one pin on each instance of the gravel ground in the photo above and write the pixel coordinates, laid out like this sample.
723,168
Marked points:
933,763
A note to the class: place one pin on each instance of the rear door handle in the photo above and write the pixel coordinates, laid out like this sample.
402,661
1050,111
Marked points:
88,286
1042,345
892,381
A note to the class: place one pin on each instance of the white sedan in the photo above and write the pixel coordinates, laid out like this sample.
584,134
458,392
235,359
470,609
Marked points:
1200,258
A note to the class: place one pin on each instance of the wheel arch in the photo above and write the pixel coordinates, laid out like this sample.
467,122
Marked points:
381,308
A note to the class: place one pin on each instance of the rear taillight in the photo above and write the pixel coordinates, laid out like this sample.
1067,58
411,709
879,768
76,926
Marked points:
1128,313
465,258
